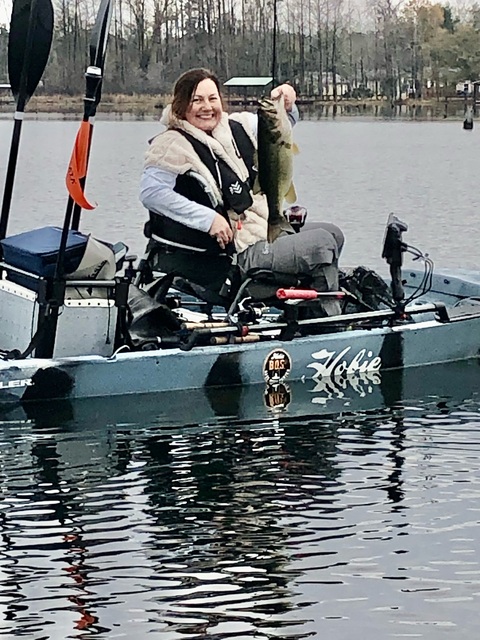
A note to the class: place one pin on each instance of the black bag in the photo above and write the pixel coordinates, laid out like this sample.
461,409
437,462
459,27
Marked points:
370,290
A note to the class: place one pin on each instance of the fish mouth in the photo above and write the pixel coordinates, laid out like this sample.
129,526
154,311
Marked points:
267,109
266,103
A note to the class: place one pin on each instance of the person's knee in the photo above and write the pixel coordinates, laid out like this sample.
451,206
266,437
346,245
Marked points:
330,228
337,233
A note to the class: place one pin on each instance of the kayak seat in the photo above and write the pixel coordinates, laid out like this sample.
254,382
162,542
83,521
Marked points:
259,286
193,263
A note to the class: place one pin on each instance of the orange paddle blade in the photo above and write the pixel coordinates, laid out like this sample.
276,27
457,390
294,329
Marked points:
77,169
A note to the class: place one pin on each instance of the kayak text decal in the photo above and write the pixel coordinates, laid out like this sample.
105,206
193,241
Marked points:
336,373
11,384
335,365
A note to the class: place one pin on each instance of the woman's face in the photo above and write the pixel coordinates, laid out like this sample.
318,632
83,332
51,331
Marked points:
205,109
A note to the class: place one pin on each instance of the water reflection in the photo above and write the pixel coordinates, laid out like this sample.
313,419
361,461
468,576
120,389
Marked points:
382,109
148,518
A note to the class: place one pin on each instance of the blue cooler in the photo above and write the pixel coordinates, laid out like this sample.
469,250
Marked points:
36,251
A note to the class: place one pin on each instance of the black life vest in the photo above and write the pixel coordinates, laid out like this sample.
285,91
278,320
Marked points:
236,194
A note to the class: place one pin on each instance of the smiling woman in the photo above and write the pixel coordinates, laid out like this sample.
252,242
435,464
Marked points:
209,221
197,99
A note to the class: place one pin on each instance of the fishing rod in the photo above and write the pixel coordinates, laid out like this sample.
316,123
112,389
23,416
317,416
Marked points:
29,43
274,45
77,173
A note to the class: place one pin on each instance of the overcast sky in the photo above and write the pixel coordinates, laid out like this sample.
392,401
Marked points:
5,10
6,6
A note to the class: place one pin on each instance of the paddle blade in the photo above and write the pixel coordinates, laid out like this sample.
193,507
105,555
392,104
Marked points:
99,36
31,30
77,169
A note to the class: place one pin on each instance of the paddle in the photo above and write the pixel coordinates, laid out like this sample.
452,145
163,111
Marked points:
93,92
29,42
76,175
77,170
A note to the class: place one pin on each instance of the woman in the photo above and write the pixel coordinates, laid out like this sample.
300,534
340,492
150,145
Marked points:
197,184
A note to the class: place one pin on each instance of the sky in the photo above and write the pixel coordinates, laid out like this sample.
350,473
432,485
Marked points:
5,10
6,7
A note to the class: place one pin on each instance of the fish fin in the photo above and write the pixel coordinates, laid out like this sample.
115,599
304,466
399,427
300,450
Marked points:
295,149
291,195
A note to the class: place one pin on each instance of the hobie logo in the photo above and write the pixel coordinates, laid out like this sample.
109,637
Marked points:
236,187
336,372
333,365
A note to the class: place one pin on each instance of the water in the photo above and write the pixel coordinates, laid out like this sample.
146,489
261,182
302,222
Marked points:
353,172
125,523
208,515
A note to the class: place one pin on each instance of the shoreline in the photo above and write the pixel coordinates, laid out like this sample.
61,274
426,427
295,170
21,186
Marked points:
154,103
148,108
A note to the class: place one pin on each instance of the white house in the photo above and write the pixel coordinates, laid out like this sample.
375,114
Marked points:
464,88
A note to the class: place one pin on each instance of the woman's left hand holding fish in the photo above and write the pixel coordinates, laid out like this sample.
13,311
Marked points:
289,95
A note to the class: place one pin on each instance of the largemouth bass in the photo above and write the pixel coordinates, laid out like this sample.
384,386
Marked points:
275,161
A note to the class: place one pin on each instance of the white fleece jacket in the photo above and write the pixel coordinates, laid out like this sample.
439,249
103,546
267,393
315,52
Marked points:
173,152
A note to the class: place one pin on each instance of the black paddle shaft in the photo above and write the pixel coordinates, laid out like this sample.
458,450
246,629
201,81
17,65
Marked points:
93,86
29,42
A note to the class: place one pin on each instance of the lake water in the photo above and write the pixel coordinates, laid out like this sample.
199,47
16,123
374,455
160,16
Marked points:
353,172
344,513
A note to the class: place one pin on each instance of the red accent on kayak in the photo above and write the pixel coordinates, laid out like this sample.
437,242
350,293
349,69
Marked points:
307,294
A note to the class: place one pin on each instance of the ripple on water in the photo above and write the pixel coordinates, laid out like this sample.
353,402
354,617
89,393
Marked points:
289,528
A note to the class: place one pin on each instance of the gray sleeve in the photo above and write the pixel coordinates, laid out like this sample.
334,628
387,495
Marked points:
157,195
294,115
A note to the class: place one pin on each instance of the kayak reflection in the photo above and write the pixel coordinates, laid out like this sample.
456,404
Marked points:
195,484
317,397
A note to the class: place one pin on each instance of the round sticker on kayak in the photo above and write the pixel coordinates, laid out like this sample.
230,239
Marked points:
277,366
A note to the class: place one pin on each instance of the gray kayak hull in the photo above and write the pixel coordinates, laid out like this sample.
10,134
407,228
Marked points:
355,356
352,355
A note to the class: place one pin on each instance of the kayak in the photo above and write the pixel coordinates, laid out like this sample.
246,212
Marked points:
255,404
79,321
351,350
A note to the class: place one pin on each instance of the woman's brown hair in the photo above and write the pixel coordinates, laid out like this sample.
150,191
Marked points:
185,88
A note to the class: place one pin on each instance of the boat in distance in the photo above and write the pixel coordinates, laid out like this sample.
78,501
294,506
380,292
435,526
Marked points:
80,319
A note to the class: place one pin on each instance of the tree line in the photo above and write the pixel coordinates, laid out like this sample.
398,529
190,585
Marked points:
324,47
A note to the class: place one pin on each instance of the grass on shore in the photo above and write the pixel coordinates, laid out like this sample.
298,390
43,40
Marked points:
110,102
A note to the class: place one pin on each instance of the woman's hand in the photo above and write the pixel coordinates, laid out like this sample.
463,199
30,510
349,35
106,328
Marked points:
288,92
221,230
